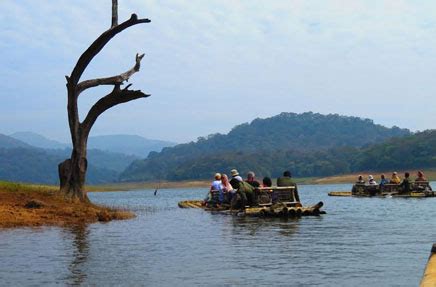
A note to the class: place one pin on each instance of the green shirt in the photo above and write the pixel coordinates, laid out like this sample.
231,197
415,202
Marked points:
285,181
245,187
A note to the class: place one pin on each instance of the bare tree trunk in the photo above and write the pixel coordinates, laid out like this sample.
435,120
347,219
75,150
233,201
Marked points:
72,172
114,13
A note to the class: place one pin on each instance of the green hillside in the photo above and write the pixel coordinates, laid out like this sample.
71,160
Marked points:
415,151
39,166
25,163
309,144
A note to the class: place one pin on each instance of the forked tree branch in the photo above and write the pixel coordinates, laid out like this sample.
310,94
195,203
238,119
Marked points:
114,80
116,97
98,44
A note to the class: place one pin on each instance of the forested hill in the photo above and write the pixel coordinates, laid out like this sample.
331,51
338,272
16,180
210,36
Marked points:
9,142
260,145
410,152
22,162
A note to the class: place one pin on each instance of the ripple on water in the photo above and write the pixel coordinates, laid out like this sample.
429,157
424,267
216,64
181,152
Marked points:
359,242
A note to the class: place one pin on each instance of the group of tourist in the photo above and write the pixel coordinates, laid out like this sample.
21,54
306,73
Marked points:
227,189
395,179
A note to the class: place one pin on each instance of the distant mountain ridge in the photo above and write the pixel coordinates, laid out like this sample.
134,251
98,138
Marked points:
9,142
30,157
305,133
22,162
128,144
38,140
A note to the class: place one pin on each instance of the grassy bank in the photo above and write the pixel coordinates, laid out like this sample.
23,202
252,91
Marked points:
149,185
36,205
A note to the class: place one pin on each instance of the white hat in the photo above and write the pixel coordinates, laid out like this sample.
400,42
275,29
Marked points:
234,172
370,177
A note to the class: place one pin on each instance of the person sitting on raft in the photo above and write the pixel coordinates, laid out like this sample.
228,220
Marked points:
371,180
405,184
235,178
360,180
216,186
395,179
383,180
245,192
420,177
266,182
226,187
421,182
286,180
250,179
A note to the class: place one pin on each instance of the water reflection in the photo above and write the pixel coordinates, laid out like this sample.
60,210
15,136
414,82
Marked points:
356,244
80,254
255,226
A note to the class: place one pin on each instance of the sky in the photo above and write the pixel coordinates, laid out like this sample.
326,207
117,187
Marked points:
211,65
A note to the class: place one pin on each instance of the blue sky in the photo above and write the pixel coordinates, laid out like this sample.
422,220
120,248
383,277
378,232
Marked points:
210,65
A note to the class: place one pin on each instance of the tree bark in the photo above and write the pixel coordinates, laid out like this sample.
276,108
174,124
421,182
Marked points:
72,171
114,13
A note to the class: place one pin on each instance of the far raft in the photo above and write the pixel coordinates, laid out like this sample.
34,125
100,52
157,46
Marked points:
416,189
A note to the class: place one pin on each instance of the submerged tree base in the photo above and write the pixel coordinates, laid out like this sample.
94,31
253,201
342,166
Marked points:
29,205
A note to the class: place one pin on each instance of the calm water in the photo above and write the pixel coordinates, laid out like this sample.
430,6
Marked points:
359,242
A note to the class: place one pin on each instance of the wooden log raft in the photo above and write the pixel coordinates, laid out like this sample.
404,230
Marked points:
417,189
276,210
340,193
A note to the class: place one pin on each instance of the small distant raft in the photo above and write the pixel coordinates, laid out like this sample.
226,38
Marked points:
417,189
271,202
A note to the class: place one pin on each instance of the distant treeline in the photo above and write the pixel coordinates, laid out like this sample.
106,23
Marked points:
29,164
308,144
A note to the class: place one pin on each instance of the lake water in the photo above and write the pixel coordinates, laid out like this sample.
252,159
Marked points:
359,242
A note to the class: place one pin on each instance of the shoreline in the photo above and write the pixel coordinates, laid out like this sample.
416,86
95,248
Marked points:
24,205
336,179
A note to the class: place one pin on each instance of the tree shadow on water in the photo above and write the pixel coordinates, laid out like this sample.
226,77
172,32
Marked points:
80,234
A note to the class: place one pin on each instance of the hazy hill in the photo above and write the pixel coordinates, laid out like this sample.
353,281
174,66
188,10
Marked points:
127,144
38,140
9,142
260,145
22,162
40,166
30,157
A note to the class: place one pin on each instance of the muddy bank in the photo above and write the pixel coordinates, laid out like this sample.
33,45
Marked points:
32,205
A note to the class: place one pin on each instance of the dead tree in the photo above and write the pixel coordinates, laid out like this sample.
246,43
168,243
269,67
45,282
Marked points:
72,172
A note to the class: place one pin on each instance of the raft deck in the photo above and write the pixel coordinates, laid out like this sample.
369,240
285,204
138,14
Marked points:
271,202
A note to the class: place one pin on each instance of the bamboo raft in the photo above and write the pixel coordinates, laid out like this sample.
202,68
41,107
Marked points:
418,189
272,202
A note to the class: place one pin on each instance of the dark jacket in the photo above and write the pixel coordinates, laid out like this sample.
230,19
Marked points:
405,184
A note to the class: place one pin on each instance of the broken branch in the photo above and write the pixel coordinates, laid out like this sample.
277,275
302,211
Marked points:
115,80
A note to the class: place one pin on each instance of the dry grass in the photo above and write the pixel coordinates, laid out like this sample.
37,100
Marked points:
36,205
150,185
